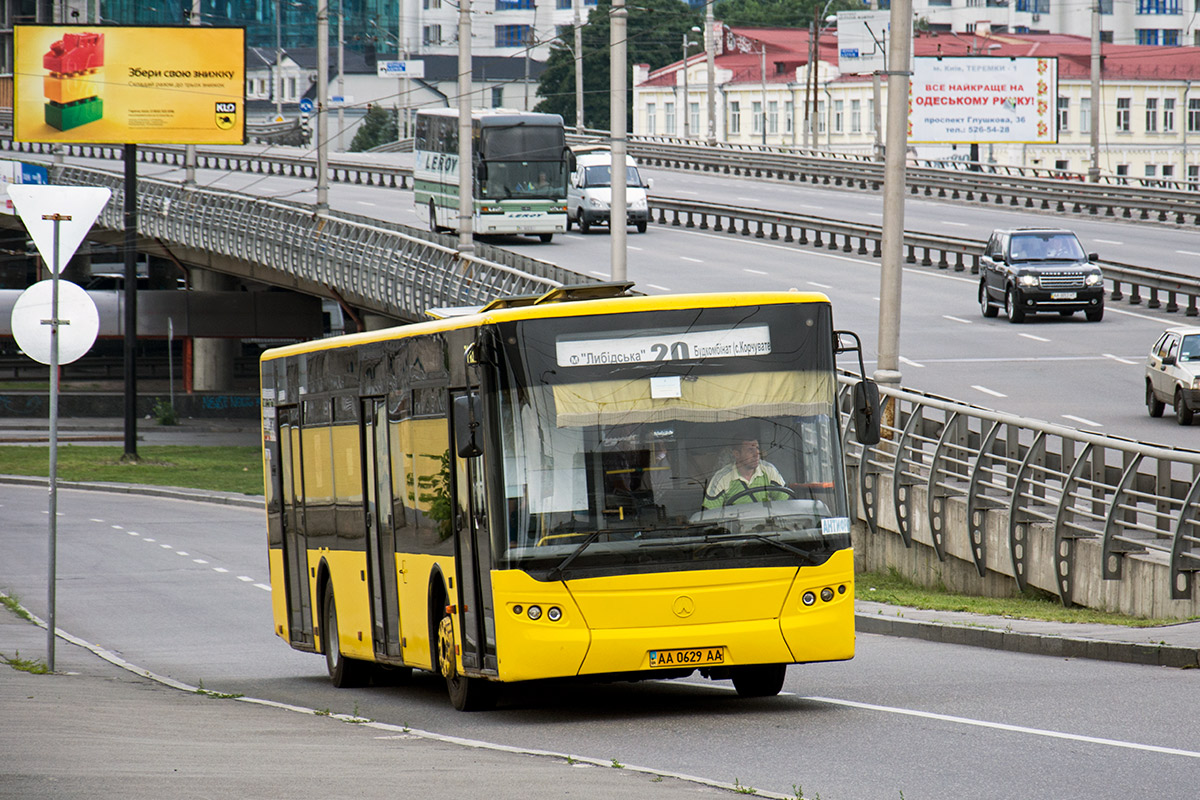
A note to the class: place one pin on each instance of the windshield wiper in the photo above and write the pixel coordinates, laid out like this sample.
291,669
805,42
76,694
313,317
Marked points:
724,534
555,573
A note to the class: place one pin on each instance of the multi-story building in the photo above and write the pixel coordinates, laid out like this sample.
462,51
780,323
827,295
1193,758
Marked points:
1148,111
1172,23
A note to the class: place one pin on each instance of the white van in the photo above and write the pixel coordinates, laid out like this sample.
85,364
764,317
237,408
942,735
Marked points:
589,191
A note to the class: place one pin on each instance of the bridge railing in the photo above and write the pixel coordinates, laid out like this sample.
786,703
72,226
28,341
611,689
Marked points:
380,269
1097,520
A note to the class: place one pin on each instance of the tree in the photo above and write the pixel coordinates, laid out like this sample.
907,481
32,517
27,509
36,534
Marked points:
378,127
654,32
778,13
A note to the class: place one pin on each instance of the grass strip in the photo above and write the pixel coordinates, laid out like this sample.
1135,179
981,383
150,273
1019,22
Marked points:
894,589
218,469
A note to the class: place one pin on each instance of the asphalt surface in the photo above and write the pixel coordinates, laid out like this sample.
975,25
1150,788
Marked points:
101,727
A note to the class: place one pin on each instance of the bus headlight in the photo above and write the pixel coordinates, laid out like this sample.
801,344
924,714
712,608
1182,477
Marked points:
808,598
554,614
595,203
535,612
827,594
489,209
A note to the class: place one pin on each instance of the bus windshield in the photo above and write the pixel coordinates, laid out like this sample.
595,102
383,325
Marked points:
503,180
687,439
522,160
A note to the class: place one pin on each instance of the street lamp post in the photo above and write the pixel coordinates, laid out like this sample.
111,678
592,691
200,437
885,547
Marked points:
710,64
687,115
616,131
578,68
277,77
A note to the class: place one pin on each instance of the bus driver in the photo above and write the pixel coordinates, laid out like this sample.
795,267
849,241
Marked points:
746,470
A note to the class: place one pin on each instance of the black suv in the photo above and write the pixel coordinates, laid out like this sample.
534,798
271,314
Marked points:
1039,270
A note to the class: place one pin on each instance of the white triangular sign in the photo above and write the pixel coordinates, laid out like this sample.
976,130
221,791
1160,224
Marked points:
81,203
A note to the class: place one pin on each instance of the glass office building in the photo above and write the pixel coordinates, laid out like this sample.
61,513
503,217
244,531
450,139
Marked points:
370,25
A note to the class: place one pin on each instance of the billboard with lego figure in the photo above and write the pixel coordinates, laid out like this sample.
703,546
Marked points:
102,84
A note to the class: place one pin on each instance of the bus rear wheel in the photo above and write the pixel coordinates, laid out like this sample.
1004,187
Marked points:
546,237
466,693
344,672
759,680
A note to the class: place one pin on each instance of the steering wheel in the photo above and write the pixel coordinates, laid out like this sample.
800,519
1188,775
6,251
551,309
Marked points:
772,487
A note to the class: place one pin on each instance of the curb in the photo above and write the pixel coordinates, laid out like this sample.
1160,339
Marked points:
1032,643
195,495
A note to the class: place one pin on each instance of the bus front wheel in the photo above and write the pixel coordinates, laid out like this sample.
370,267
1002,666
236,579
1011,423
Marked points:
546,237
759,680
343,672
466,693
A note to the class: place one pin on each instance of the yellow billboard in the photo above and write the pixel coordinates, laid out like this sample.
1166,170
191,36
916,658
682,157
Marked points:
102,84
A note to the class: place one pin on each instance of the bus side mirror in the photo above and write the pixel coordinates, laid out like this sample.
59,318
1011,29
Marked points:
466,426
865,399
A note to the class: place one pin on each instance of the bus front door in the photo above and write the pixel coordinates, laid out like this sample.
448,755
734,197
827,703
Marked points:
381,544
472,551
295,542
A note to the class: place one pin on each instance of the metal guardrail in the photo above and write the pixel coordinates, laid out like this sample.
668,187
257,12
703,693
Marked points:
380,269
1157,288
970,167
1125,497
1059,192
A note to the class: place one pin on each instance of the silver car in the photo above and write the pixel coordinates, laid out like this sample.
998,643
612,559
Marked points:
1173,374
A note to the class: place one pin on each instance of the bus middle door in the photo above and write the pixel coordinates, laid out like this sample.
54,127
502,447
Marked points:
381,545
295,542
472,545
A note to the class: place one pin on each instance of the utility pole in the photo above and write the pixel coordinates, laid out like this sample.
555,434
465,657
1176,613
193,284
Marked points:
189,152
466,165
892,240
277,76
617,214
687,121
578,68
1094,170
810,82
763,101
341,75
322,106
710,63
401,83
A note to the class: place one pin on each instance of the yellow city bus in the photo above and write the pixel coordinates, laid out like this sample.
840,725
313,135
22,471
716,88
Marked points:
518,491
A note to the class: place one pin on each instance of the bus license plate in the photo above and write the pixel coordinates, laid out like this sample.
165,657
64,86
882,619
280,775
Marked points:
694,657
1062,296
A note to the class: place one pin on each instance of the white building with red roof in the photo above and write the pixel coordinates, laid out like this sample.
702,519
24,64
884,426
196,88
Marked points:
1148,110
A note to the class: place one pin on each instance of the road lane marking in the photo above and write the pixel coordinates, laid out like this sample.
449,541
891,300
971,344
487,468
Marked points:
693,260
656,286
754,271
245,579
955,224
1031,336
114,527
1187,253
263,586
631,247
819,285
220,569
1083,421
906,361
95,520
1001,726
199,561
166,547
986,390
1107,241
1121,360
956,319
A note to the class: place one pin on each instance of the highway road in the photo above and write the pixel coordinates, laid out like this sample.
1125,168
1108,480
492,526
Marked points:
179,588
1066,371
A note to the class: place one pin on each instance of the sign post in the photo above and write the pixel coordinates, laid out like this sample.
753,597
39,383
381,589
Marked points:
57,235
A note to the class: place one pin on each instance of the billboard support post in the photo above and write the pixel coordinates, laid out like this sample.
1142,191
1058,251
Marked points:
130,340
